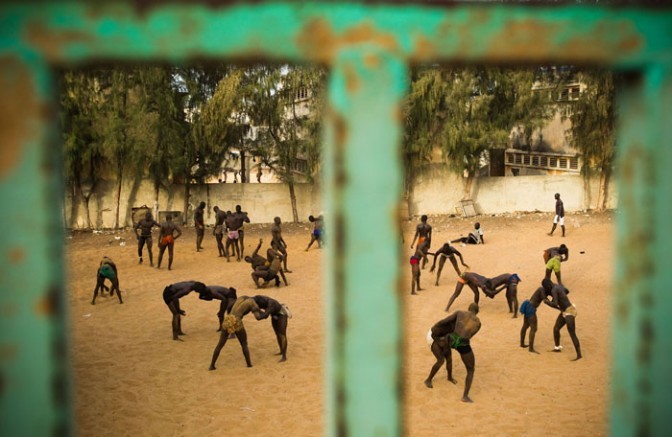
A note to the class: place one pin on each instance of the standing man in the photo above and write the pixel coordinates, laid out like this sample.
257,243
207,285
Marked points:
145,225
567,317
218,231
172,295
281,245
559,215
233,324
529,311
168,233
240,219
316,235
200,225
455,332
231,236
423,232
279,315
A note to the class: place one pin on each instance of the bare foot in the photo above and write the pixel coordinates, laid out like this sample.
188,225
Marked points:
453,380
467,399
577,358
534,352
413,292
212,368
283,359
428,383
523,345
177,339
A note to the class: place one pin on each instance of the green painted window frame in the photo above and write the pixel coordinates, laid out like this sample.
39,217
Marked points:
368,48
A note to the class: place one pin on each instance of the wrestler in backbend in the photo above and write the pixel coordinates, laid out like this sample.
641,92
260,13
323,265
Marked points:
455,332
168,233
567,317
529,311
279,315
510,282
474,281
106,270
233,324
276,232
226,296
218,231
449,252
172,295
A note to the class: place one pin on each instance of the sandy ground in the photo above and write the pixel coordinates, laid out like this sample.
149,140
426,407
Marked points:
132,379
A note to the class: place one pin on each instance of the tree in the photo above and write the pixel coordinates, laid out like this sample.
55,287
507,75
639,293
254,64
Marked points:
289,124
83,156
593,118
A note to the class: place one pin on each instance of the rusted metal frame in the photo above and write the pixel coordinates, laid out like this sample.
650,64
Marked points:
34,388
642,381
363,188
72,32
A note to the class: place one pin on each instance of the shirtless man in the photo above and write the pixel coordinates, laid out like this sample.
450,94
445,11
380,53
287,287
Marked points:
559,215
200,225
510,282
316,235
226,296
276,232
233,324
241,219
271,272
474,281
529,311
257,260
446,252
168,233
218,231
106,270
553,265
423,232
455,332
172,295
415,267
561,250
567,317
145,225
232,236
279,315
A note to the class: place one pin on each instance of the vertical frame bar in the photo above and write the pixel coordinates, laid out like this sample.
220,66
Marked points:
34,394
362,193
642,381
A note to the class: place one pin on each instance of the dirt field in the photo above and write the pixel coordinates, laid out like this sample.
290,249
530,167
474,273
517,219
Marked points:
132,379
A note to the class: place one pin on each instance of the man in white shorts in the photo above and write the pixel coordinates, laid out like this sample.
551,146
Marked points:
559,215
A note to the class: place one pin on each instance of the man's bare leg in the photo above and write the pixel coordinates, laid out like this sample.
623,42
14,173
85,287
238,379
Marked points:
458,290
242,339
469,362
223,336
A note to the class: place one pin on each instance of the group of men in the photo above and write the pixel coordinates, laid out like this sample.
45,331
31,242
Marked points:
232,309
456,330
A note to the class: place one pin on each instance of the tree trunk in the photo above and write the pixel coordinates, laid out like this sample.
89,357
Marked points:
118,197
155,210
605,176
467,187
292,196
187,190
243,167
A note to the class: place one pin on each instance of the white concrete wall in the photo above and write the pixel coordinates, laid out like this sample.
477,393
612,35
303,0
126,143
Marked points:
439,191
262,202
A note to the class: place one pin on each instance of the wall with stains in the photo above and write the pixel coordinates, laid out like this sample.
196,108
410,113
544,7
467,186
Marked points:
439,191
262,202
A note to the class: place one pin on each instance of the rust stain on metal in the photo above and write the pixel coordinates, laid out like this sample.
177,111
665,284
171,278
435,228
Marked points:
16,255
423,48
18,109
320,42
51,42
46,306
606,38
351,79
529,37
